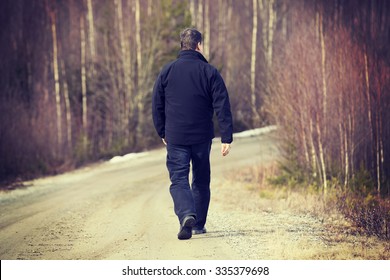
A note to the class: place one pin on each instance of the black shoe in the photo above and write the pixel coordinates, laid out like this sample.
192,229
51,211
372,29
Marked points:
199,231
186,228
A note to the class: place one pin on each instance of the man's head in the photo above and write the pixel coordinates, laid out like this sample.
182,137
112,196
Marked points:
190,39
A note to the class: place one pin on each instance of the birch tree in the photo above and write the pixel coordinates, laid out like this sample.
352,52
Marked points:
83,85
53,28
320,130
91,33
268,18
254,105
138,36
68,113
125,84
207,29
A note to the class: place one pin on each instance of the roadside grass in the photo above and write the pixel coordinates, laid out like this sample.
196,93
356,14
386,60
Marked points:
341,237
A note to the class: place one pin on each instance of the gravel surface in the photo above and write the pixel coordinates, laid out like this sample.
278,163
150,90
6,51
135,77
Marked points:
122,209
258,233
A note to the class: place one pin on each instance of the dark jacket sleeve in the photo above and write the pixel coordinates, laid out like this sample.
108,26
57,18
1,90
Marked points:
221,106
158,107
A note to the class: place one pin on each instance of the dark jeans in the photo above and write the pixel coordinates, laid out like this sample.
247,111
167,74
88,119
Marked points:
194,199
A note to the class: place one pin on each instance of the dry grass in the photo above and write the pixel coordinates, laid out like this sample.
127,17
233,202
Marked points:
308,226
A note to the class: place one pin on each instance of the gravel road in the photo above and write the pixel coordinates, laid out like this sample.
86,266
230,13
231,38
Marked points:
122,209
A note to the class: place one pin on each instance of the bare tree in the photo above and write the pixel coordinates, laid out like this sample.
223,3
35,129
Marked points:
254,105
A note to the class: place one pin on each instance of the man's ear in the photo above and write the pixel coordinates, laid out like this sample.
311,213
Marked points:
198,46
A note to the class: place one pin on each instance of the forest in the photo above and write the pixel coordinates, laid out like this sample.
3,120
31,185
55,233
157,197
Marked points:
77,77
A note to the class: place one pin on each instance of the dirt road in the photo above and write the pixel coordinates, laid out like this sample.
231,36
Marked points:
122,209
115,210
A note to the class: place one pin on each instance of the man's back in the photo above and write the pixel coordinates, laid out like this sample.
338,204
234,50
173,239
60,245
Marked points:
188,100
191,90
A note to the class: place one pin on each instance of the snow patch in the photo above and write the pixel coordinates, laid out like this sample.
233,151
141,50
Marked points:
255,132
131,156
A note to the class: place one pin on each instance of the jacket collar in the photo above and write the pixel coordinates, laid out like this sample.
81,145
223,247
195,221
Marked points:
192,54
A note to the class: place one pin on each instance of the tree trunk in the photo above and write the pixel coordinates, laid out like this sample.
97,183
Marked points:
379,130
91,31
126,71
369,106
314,158
207,42
343,141
192,11
200,16
271,28
378,144
112,118
84,85
228,57
304,141
322,155
138,37
67,107
268,20
256,117
56,80
284,20
324,105
221,26
323,69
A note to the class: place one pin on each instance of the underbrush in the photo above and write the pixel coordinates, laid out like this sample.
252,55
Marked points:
366,213
369,213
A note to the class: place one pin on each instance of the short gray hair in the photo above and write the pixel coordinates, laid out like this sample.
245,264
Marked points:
189,39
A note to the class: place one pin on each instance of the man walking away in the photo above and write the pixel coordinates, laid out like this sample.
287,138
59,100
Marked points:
185,96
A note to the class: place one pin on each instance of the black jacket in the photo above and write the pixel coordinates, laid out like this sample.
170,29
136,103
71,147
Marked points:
185,96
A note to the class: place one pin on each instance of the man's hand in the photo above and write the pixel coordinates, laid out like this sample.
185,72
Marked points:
225,148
